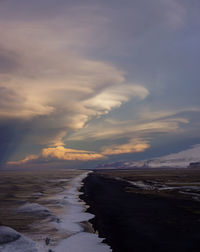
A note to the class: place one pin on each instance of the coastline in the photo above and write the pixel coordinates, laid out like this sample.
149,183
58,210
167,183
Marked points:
103,211
61,220
76,222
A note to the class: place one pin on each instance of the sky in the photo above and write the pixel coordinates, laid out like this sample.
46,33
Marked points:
84,82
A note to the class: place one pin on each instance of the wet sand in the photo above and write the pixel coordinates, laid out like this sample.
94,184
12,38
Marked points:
137,220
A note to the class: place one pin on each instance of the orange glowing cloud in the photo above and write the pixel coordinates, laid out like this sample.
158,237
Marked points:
59,153
131,147
24,161
67,154
63,153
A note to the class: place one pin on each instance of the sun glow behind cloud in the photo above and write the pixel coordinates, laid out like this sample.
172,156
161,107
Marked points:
62,153
132,147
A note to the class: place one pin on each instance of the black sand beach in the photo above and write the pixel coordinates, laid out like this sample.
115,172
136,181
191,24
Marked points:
134,222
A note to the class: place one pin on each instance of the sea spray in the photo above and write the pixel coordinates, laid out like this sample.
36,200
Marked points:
71,221
70,224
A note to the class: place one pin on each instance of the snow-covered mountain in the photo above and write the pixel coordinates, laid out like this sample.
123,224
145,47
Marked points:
179,159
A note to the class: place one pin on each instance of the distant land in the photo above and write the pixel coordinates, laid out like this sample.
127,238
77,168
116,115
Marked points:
183,159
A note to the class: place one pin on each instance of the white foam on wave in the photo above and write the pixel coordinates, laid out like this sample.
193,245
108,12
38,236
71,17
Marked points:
70,222
23,244
78,241
74,207
33,208
13,241
83,242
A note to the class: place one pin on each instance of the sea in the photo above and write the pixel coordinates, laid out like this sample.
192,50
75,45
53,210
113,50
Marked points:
41,212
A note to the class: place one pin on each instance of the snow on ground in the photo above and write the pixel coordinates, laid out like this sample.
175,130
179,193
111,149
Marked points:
179,159
190,189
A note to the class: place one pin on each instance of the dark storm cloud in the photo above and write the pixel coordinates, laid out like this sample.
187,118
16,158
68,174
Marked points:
11,134
12,131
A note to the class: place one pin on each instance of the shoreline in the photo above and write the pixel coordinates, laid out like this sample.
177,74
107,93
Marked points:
82,237
67,227
50,209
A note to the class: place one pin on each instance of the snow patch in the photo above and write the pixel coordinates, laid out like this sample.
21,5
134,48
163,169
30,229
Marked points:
142,185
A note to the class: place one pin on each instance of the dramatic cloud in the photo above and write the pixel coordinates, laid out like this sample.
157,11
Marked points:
113,97
145,124
15,105
27,159
59,153
55,90
131,147
77,75
69,154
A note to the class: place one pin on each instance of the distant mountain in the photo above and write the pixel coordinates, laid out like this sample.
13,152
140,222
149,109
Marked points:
180,159
117,165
